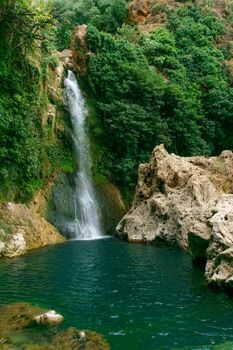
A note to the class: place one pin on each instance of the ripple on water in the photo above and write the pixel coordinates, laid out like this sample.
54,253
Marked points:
138,296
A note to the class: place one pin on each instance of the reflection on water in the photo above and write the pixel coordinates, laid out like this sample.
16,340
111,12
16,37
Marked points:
138,296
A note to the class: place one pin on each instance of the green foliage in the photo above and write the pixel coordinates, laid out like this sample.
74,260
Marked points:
25,147
6,228
52,61
106,15
130,96
169,86
23,23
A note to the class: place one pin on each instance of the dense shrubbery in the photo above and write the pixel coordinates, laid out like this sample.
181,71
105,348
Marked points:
129,95
106,15
26,155
170,86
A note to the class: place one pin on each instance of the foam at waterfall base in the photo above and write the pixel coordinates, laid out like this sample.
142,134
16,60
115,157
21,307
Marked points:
91,238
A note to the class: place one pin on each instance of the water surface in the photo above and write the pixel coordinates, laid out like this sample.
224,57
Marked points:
140,297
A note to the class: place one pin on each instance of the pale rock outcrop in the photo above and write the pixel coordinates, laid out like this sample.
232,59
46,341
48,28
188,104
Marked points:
49,317
15,244
24,230
219,267
186,202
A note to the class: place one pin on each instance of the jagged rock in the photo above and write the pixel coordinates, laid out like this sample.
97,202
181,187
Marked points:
181,201
172,196
50,317
219,268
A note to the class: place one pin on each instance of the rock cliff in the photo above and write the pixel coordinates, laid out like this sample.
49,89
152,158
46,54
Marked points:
22,229
186,202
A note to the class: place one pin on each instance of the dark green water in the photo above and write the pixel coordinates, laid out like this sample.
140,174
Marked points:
140,297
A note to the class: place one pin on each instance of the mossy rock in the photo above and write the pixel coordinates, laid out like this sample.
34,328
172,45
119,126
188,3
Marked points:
16,317
71,340
18,331
39,347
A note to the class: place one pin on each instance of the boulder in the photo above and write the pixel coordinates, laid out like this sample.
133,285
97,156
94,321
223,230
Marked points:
186,202
49,318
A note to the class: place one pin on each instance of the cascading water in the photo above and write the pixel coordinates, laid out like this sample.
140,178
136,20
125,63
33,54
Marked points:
87,223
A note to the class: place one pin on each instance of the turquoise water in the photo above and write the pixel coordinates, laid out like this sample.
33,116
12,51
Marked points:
140,297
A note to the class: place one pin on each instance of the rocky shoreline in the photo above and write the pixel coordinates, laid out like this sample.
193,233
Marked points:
21,230
188,203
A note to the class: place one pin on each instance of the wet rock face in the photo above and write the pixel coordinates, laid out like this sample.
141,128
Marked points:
61,205
183,202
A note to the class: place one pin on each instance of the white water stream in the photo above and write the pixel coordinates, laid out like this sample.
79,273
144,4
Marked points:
87,223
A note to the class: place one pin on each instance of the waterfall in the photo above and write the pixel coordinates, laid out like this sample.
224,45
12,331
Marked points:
87,223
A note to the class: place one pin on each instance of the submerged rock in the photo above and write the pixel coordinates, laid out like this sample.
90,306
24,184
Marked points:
49,317
73,339
16,317
186,202
18,330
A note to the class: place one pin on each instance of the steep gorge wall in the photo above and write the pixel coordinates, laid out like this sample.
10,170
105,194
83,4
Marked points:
186,202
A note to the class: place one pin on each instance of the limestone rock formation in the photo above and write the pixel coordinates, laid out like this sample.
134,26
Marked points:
186,202
23,229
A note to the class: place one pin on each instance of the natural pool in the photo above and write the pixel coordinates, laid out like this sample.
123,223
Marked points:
140,297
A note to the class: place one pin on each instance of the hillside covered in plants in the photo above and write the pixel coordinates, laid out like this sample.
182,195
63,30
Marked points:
156,72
